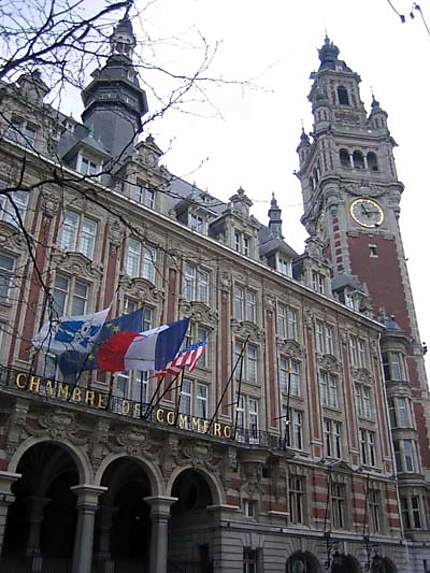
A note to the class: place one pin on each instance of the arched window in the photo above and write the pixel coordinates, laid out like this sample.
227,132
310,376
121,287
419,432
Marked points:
344,158
372,161
358,160
342,95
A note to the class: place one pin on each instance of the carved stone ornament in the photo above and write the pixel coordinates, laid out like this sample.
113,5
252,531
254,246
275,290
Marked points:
199,312
141,289
225,281
269,303
11,238
290,348
252,474
197,452
169,455
78,265
362,190
61,425
50,203
132,440
245,328
329,363
115,232
362,375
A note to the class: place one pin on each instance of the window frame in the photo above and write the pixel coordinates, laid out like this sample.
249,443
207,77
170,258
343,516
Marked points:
7,285
196,284
69,296
78,234
144,259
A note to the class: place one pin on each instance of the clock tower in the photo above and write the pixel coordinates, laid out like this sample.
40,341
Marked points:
351,196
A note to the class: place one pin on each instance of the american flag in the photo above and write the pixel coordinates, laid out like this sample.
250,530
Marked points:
187,357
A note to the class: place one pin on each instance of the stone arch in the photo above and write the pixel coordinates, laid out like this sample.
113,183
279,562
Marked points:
383,565
302,562
153,473
82,462
345,563
212,481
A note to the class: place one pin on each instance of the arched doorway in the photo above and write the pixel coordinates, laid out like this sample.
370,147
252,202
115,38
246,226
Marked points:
344,564
123,527
302,562
383,565
190,523
41,521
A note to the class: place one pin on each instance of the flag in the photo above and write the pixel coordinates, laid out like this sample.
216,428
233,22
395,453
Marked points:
72,362
121,345
71,333
187,357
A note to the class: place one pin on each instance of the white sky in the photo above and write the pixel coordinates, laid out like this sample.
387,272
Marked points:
252,142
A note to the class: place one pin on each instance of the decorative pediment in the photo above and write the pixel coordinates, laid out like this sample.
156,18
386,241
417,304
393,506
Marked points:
11,238
199,312
362,375
141,289
245,328
328,362
79,265
290,348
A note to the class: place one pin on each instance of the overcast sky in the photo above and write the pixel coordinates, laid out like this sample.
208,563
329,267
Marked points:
252,143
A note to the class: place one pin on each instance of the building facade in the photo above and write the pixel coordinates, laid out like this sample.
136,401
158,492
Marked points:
300,442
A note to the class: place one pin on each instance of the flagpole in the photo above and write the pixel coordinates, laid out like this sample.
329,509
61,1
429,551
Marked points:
168,387
218,406
150,408
178,399
287,415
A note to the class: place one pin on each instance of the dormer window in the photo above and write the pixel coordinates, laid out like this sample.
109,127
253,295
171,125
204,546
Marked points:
318,280
284,266
242,243
197,223
343,96
143,195
88,166
21,131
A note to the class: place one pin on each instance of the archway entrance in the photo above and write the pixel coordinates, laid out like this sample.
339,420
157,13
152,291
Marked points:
190,523
123,527
41,522
302,562
344,564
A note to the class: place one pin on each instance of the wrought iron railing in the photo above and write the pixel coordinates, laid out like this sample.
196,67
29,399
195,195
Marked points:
55,391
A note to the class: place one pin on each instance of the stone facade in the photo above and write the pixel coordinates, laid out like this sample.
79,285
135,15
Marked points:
286,464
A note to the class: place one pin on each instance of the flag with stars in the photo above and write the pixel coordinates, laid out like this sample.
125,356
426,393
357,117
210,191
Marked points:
72,362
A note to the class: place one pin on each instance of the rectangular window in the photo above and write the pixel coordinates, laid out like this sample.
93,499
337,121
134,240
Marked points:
287,321
324,337
245,304
405,512
196,284
250,507
21,131
202,401
70,296
332,438
88,166
250,560
367,448
249,367
78,233
374,509
15,208
7,267
411,512
338,505
289,375
247,412
318,281
284,267
143,195
403,412
140,260
242,243
197,223
363,401
394,366
405,455
416,513
293,428
296,496
357,352
329,389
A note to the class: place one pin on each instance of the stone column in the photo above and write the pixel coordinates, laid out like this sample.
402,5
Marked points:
84,535
36,506
104,527
7,479
160,513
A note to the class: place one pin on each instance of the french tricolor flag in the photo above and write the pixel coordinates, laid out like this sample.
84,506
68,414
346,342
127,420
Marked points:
148,350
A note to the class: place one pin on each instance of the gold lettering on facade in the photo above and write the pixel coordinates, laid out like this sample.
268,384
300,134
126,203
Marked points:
159,414
217,430
34,385
170,418
136,410
21,381
77,395
49,388
125,407
63,391
227,432
90,396
183,421
100,402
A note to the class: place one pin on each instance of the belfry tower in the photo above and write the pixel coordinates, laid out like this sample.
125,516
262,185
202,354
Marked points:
351,196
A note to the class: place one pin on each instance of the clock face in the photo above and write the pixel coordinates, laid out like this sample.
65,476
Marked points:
367,213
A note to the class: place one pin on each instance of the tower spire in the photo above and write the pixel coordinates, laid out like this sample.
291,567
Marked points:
275,220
